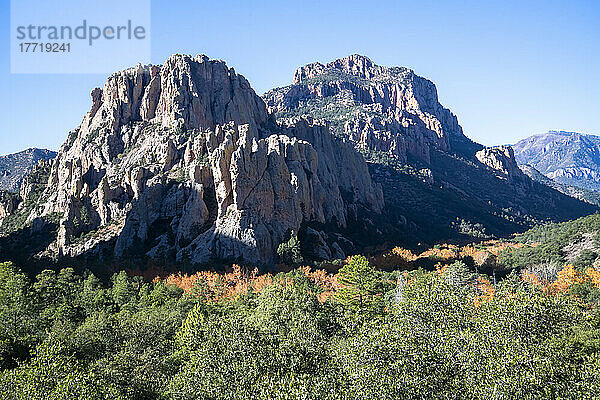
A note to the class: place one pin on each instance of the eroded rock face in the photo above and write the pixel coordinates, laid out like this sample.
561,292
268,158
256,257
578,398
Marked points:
8,204
266,187
501,159
379,108
184,161
340,159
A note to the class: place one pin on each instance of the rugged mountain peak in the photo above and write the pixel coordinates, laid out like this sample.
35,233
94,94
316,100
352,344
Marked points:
190,92
355,65
182,162
358,65
389,109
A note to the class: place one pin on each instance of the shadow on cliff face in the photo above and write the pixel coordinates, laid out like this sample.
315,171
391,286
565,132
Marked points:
20,245
153,247
417,214
420,213
149,239
157,248
476,205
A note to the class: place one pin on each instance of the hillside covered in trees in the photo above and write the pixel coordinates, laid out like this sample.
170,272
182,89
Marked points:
501,320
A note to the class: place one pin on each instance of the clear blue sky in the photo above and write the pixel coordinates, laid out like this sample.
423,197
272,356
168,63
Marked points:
507,69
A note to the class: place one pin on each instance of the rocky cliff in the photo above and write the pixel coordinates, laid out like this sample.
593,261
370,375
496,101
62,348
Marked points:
501,160
379,108
9,203
182,162
13,167
437,183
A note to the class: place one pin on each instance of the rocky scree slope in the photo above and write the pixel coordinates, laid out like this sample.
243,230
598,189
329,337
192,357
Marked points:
182,162
437,183
569,158
13,167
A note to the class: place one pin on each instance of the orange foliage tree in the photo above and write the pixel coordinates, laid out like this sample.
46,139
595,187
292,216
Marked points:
486,291
565,279
214,286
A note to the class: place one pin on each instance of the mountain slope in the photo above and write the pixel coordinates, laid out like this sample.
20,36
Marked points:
589,196
182,163
13,167
437,183
570,158
574,242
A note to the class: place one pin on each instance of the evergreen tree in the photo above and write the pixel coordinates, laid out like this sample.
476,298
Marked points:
289,252
361,287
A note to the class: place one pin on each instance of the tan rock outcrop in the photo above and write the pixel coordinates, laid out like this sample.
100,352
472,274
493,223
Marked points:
379,108
501,159
184,161
8,204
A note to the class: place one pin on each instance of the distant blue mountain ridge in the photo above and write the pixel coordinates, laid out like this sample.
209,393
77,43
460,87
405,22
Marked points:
13,167
569,158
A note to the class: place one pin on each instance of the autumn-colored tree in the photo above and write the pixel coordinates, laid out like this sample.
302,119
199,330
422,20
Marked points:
327,282
486,291
567,277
